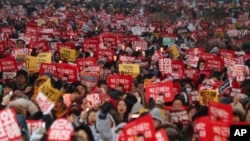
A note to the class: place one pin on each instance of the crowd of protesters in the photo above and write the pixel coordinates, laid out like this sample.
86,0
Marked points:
191,35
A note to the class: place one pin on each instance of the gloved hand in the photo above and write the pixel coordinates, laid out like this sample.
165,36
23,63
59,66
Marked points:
6,99
106,107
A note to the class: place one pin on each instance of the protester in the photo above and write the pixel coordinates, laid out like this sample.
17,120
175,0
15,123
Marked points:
123,70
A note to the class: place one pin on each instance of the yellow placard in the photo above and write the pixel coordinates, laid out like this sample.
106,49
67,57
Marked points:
208,95
31,64
49,91
147,82
129,69
43,58
40,22
69,54
54,20
174,51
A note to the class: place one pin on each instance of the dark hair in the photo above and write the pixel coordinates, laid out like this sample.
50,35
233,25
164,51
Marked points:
88,131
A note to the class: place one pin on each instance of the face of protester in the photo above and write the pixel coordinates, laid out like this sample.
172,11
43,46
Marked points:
191,114
57,56
58,106
121,107
72,118
177,103
188,88
83,136
140,86
81,90
75,96
236,118
40,82
201,65
92,117
157,123
7,90
21,80
140,138
20,44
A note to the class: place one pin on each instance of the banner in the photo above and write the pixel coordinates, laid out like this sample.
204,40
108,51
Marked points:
129,69
8,125
60,130
143,125
214,64
139,45
207,95
120,80
165,88
68,54
220,112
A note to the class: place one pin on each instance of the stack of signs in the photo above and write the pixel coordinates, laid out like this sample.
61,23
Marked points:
60,130
47,97
9,127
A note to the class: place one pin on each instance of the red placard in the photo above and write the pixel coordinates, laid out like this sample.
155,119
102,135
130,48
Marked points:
65,45
140,45
83,62
34,124
115,80
123,59
60,130
201,128
60,70
89,45
143,125
220,112
8,64
105,53
94,99
178,67
7,30
214,64
67,70
128,38
166,88
226,53
192,60
190,73
195,51
39,45
207,56
219,131
165,65
9,128
161,135
109,40
2,46
179,117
